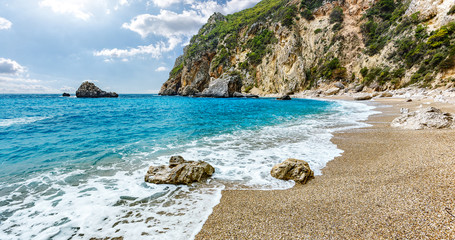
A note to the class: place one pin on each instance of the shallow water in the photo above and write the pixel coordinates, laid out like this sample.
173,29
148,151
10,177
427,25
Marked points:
74,168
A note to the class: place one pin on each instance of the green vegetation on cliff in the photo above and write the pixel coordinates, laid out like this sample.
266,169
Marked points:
209,36
313,52
380,17
414,46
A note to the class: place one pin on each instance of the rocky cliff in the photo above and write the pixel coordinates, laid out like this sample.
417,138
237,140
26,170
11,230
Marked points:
288,46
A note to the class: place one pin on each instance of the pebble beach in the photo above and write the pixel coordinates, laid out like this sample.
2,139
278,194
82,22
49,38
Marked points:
389,183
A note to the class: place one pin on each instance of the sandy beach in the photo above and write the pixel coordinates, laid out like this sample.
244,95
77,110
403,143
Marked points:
389,183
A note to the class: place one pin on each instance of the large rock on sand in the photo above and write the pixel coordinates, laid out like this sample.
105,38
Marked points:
179,171
427,118
89,90
363,97
332,91
293,169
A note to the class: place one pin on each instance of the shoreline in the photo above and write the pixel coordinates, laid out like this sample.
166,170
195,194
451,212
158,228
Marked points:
387,183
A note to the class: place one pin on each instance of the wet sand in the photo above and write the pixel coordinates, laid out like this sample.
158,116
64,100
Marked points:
389,183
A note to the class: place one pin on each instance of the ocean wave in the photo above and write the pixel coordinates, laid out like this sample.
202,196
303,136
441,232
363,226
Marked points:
20,121
110,201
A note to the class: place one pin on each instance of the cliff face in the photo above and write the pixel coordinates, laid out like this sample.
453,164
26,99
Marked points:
285,46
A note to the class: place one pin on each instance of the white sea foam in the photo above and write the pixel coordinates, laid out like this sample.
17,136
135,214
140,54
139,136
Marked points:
24,120
111,201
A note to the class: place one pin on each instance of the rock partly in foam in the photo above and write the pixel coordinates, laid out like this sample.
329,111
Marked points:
293,169
179,171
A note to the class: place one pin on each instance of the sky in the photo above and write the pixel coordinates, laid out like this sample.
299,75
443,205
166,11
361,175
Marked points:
126,46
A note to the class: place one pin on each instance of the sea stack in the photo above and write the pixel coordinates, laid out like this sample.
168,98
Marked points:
89,90
66,95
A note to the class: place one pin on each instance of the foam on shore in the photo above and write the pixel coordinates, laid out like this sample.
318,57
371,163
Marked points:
111,201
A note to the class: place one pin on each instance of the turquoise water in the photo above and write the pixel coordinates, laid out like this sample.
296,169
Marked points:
73,168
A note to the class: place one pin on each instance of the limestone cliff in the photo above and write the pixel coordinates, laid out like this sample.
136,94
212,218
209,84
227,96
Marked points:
287,46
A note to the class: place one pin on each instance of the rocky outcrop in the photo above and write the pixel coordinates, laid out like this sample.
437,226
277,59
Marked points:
222,87
293,169
179,171
66,95
427,118
89,90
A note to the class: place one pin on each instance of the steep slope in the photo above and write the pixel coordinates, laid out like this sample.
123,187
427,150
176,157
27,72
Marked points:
283,46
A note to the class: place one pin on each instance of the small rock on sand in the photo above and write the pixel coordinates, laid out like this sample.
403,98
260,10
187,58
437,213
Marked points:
293,169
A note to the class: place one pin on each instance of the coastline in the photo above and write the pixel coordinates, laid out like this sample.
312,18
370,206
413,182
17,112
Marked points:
388,183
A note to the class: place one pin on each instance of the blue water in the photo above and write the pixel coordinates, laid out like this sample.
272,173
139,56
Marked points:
61,154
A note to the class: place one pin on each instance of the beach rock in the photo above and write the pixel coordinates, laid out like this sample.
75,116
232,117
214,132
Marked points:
339,85
375,86
408,100
293,169
66,95
223,87
89,90
363,97
332,91
179,171
386,94
284,97
427,118
359,88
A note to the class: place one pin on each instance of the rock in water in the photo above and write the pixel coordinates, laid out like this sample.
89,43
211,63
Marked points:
66,95
427,118
189,91
285,97
222,87
293,169
179,171
89,90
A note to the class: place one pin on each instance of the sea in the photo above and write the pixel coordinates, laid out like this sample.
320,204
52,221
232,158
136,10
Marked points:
74,168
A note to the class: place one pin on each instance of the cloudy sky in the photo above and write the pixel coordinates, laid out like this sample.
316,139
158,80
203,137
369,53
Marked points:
127,46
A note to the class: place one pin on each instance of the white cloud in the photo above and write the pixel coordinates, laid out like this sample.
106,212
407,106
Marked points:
15,84
154,50
209,7
11,67
83,9
167,3
161,69
167,23
176,27
73,7
5,24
